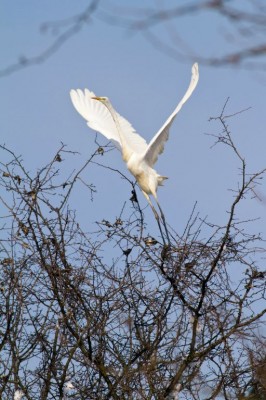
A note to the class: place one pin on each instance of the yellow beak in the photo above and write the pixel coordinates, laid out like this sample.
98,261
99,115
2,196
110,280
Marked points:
98,98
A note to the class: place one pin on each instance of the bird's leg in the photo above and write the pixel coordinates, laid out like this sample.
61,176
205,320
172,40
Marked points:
163,219
155,214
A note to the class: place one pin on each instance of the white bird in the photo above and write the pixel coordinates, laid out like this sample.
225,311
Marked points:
139,156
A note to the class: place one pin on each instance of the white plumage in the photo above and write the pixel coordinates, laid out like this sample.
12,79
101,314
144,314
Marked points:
138,155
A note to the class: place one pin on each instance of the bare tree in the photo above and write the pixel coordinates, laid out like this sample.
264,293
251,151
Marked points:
116,313
243,31
258,362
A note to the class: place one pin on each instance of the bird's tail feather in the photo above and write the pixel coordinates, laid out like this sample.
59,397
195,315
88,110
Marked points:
161,180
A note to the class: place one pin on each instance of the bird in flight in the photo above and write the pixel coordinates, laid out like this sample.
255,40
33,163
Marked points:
138,155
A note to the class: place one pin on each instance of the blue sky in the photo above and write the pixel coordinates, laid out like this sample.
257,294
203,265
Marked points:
144,86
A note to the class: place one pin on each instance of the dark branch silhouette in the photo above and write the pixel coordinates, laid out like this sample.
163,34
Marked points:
107,311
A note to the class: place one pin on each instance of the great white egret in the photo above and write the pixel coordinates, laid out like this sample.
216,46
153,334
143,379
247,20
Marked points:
139,156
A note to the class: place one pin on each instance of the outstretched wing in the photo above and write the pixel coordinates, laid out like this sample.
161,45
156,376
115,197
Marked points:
156,145
99,118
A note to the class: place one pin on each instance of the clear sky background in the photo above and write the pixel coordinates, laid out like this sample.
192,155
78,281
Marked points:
144,85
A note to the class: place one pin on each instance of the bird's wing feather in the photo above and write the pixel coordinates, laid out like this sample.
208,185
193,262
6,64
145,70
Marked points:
99,118
156,145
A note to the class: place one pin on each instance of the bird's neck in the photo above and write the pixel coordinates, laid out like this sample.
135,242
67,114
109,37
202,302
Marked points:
125,150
